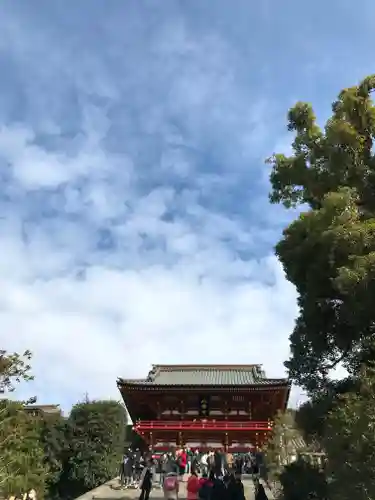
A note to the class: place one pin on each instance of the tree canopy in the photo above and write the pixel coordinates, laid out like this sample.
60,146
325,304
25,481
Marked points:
14,368
55,440
328,253
96,437
349,441
21,455
302,481
57,456
22,465
282,446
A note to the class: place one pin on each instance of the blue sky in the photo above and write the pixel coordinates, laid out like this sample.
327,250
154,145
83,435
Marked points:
135,224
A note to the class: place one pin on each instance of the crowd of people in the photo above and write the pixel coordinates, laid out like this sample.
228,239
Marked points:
213,475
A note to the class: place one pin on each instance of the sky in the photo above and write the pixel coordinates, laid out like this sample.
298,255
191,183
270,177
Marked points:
135,224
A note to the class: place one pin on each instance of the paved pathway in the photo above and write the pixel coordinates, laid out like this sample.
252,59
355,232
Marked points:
113,491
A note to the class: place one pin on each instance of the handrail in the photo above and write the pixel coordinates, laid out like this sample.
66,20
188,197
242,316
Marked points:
208,424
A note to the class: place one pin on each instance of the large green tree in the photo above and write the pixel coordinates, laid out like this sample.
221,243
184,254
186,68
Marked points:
328,253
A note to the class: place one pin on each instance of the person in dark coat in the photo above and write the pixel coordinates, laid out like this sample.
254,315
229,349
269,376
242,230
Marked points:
238,465
195,462
128,469
260,493
254,469
145,483
218,463
219,490
235,489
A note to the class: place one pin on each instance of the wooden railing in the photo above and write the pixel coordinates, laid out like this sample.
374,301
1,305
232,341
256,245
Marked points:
202,425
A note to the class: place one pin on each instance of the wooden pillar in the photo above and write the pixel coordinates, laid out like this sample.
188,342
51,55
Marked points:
182,410
158,412
261,407
226,441
226,410
250,410
180,440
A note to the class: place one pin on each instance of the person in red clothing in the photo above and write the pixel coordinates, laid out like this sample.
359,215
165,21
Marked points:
192,486
182,460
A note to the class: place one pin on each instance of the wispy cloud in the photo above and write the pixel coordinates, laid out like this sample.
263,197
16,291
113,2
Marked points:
135,223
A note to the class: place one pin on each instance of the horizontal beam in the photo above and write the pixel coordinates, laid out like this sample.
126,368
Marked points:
209,425
204,446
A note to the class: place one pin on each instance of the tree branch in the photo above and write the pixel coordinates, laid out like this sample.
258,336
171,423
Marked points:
335,363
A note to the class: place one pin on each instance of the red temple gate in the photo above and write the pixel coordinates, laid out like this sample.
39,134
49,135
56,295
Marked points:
203,406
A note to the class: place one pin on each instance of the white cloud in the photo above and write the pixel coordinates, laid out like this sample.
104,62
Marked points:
187,299
184,280
117,322
204,305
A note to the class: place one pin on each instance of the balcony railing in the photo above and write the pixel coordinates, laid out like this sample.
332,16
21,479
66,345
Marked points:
211,425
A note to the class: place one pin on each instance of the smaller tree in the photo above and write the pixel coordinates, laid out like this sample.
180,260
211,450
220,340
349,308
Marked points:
97,435
349,442
54,436
302,481
282,447
311,416
21,455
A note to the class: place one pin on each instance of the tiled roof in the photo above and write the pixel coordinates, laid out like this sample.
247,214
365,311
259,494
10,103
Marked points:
205,375
43,408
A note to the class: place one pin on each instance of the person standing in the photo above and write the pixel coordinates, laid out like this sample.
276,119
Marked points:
182,461
219,490
205,486
138,466
171,486
122,470
218,463
229,462
145,483
188,460
204,464
235,488
255,470
238,466
211,461
260,493
192,486
163,468
195,461
128,469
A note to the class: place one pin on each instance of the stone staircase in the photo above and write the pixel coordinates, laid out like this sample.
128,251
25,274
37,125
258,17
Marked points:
112,490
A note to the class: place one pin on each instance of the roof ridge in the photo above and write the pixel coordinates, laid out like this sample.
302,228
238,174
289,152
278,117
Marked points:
172,367
202,375
42,406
